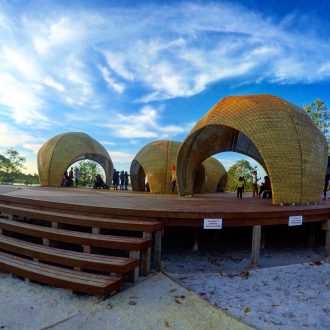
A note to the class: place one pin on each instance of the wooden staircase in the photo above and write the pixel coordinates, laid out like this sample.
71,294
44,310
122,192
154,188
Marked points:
62,247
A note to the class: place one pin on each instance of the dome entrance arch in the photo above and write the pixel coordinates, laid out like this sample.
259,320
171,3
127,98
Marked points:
277,134
63,150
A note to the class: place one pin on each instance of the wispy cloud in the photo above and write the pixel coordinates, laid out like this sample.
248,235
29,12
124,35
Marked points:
119,157
144,124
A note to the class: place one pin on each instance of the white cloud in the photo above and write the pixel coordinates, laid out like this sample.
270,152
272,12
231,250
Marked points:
144,124
119,88
21,101
121,157
49,81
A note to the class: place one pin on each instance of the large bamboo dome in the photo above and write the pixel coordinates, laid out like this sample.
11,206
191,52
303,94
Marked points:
154,162
61,151
276,133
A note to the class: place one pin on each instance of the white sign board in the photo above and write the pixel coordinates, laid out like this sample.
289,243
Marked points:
295,220
212,223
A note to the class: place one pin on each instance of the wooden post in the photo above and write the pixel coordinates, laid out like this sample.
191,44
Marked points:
256,235
326,228
312,239
196,240
45,241
158,250
95,230
146,257
135,272
263,238
86,248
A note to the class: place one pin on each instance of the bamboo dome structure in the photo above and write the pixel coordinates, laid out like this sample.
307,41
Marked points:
271,130
61,151
154,162
214,172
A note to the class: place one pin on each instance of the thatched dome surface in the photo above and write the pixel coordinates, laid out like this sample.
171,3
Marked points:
276,133
61,151
154,161
214,172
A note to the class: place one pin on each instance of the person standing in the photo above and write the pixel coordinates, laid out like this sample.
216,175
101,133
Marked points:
122,180
71,176
255,183
326,180
173,178
239,187
126,176
76,176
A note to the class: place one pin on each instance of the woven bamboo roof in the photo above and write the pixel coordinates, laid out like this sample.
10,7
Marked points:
154,161
276,133
61,151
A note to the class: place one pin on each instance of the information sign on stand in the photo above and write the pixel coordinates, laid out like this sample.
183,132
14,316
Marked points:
212,223
295,220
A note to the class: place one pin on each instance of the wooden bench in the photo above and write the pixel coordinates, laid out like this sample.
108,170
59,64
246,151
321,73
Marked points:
82,220
60,277
56,217
75,259
76,237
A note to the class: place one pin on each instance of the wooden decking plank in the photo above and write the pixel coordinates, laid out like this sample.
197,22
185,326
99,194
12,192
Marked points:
108,223
72,258
107,241
50,275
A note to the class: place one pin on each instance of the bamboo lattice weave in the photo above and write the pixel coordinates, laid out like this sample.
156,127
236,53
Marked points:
278,134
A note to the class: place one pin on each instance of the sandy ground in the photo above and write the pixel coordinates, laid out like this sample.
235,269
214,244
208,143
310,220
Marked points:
281,296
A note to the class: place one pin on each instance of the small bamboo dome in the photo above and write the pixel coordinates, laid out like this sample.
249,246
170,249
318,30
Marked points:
61,151
214,172
154,161
276,133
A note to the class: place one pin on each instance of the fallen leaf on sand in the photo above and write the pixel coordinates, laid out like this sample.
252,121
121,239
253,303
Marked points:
202,293
245,274
247,310
177,301
182,296
316,262
275,305
132,302
167,325
173,290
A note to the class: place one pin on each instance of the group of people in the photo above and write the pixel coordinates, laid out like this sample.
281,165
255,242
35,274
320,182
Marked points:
120,180
265,190
70,179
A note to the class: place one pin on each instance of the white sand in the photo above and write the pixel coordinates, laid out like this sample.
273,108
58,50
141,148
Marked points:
293,296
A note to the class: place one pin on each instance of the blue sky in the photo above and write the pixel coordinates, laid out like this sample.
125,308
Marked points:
131,72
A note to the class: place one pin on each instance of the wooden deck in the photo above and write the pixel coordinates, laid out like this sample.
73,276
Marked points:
171,210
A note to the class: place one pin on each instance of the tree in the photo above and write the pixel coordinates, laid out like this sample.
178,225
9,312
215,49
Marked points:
320,115
88,170
11,164
240,168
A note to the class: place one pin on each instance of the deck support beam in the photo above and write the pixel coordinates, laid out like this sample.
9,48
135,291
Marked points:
135,272
326,228
146,257
157,249
256,238
196,239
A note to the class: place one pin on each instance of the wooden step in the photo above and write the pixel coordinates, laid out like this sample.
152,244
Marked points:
98,262
82,220
75,237
60,277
